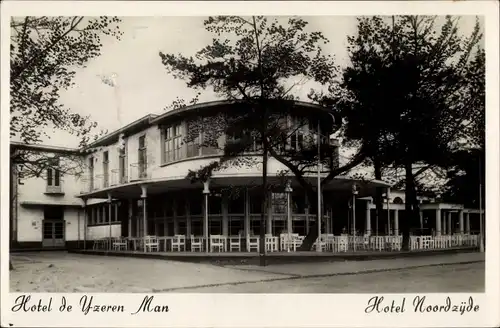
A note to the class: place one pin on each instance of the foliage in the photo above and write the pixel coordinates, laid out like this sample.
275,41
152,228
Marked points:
44,54
412,94
256,63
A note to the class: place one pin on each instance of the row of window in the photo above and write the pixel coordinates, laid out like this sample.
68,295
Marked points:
99,214
175,148
167,207
215,227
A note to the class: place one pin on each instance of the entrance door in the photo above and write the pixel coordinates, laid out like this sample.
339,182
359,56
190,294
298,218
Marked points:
53,233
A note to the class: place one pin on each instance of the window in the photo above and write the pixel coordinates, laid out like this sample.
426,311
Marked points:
91,173
256,200
236,225
121,166
105,168
53,173
214,204
237,203
279,202
172,143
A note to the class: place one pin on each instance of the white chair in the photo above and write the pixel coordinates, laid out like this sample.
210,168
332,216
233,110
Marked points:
217,243
297,240
196,244
179,243
151,243
343,243
328,237
271,243
120,244
321,242
235,243
253,243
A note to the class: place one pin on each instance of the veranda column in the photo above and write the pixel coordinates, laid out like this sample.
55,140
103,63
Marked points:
396,222
144,195
421,216
269,223
438,222
461,222
443,224
328,221
368,224
225,216
307,219
246,222
187,210
206,192
165,223
467,223
174,213
130,213
85,222
449,229
109,220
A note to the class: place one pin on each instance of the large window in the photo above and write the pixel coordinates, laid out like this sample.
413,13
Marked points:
237,203
279,202
199,143
53,173
172,143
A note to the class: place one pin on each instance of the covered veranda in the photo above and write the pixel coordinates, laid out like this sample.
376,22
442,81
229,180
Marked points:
224,215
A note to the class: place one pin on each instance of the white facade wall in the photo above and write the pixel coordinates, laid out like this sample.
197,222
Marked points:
30,200
102,231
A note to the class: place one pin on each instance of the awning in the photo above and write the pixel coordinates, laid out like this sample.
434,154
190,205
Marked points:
28,203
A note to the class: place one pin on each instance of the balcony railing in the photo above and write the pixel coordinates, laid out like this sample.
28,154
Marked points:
117,178
139,171
54,190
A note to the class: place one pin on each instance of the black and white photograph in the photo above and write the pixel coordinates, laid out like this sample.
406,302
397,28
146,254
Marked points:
249,154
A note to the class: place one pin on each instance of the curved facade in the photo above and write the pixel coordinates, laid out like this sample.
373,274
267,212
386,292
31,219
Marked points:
147,162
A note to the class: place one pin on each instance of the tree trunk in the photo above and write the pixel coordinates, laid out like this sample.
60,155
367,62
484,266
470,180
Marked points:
313,232
405,224
262,250
11,267
377,166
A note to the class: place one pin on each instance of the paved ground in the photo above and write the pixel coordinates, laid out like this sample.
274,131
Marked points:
460,278
63,272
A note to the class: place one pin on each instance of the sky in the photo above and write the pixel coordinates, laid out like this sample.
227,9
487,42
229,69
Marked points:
143,84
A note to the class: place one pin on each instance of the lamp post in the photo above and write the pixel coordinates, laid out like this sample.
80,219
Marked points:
354,193
288,191
318,248
320,214
206,192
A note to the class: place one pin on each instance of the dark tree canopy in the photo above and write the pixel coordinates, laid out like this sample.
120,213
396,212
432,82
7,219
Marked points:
413,93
